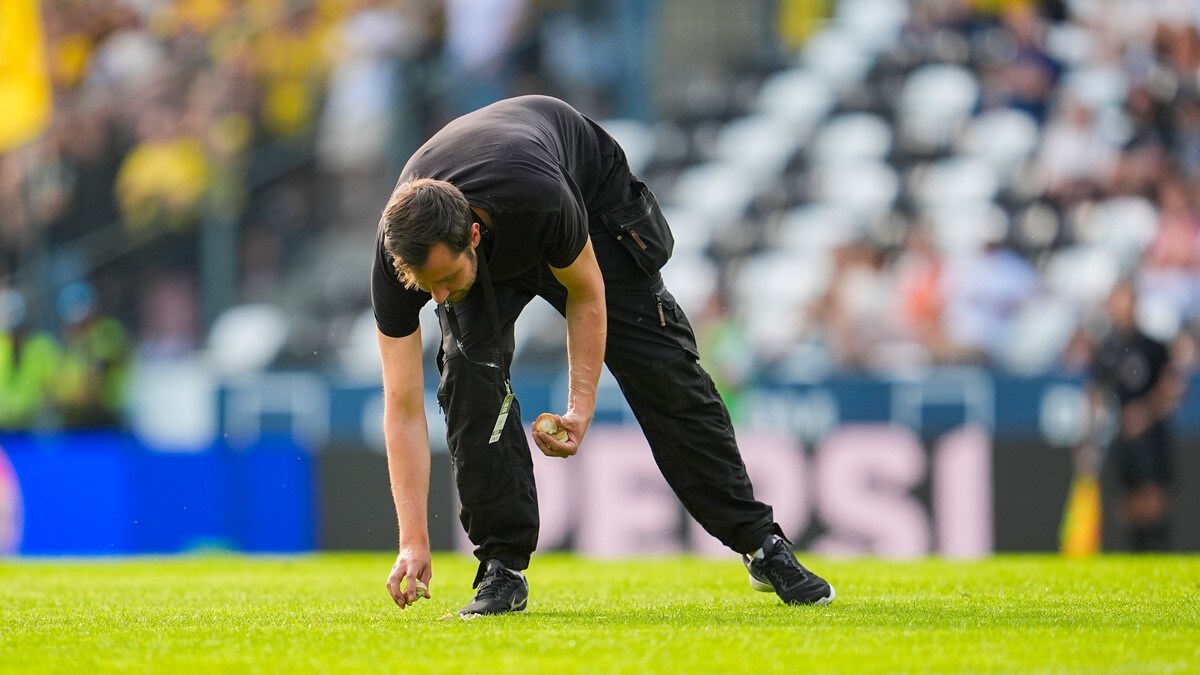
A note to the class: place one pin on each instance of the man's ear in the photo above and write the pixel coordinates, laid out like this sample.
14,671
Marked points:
475,234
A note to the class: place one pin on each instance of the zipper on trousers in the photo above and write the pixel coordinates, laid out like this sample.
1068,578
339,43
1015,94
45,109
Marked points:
638,239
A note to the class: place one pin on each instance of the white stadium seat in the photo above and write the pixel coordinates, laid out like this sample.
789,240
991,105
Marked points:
720,190
760,145
863,190
247,338
798,96
814,228
1004,138
935,101
852,137
875,24
636,138
1082,273
836,56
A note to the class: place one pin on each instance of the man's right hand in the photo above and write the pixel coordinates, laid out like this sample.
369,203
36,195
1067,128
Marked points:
415,566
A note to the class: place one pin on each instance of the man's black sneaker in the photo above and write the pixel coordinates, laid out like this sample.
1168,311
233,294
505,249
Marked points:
500,590
775,568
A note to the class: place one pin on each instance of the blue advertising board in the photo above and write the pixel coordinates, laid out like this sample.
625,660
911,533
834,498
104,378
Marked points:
104,493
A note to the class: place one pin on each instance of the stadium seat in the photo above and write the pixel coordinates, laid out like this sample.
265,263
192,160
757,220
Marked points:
1159,314
964,227
1040,333
934,103
1098,87
815,228
875,24
759,145
431,329
852,137
692,279
693,229
1083,273
797,96
835,55
637,139
540,332
1071,44
1125,226
247,338
1003,138
772,290
720,190
954,181
359,352
863,190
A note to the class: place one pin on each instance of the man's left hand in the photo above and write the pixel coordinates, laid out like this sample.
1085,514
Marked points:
574,424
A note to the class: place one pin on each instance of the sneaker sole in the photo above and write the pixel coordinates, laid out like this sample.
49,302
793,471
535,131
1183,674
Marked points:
761,586
768,588
827,600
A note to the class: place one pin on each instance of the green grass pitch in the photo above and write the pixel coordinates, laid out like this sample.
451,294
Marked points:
330,613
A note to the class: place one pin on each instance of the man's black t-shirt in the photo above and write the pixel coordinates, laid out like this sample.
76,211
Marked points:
1130,364
537,166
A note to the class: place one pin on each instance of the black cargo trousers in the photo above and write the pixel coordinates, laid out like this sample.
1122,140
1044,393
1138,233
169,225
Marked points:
652,353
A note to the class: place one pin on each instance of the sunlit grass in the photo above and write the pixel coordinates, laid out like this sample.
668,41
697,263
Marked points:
327,613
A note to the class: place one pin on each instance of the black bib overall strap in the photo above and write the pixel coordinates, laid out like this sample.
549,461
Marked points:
484,278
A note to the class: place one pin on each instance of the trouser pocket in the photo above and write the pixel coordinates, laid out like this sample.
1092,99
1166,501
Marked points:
672,321
641,229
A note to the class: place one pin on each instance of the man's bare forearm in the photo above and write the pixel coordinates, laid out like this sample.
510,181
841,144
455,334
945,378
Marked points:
407,435
587,330
408,469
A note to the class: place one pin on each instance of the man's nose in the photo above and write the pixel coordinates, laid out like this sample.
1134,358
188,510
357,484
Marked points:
440,293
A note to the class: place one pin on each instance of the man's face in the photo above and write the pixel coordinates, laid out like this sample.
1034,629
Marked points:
447,275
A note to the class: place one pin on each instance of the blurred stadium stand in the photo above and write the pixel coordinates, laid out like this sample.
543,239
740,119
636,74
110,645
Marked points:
208,154
859,188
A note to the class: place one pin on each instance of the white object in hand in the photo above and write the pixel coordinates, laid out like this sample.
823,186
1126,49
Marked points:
545,423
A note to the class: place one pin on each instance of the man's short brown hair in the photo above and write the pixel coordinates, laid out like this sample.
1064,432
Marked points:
420,213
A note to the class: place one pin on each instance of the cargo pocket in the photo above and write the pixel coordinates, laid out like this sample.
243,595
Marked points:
641,229
672,320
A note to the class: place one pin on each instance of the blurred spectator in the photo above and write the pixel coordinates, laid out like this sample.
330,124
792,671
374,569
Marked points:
1021,73
291,64
936,31
192,139
1177,244
90,148
1133,376
28,367
162,180
1144,156
1171,266
919,297
90,387
356,123
596,51
984,292
853,310
170,317
31,189
725,352
1075,158
160,188
484,43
